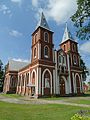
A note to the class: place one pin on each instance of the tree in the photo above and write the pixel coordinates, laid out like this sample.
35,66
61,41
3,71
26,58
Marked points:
85,71
89,85
81,19
1,76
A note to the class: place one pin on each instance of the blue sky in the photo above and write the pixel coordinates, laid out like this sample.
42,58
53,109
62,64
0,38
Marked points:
18,19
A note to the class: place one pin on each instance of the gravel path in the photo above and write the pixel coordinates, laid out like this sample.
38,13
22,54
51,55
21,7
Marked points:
27,100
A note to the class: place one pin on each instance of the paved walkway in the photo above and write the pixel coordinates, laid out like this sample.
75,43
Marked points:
27,100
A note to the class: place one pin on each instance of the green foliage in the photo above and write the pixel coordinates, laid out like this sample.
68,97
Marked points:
1,76
81,19
85,71
79,117
89,83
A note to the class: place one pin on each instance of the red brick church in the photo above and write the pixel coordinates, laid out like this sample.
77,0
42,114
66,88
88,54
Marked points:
51,72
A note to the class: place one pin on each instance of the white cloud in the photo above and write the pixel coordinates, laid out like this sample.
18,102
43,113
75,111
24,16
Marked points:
15,33
85,48
35,3
20,60
58,10
5,10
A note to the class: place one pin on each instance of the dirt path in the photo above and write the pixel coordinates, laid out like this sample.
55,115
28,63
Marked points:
66,103
27,100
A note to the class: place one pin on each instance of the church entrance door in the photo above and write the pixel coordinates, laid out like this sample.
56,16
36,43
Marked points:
78,85
62,87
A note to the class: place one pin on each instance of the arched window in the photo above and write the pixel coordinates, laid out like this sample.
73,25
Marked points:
46,51
46,37
35,53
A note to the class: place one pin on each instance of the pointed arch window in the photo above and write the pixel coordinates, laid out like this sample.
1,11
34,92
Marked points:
46,52
46,37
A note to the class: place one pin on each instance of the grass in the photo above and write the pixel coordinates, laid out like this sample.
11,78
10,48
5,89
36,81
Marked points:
78,100
10,111
84,99
11,95
81,101
72,100
55,98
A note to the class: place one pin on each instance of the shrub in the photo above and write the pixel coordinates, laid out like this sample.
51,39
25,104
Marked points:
79,117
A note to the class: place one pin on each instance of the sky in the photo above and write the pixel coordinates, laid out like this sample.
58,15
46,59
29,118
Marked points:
19,18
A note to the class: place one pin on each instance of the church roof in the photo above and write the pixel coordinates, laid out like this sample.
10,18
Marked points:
67,35
43,23
16,65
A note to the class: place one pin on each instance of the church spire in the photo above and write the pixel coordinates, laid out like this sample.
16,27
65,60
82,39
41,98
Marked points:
67,35
43,22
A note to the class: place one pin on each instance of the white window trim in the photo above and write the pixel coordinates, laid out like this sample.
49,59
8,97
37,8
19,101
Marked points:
46,56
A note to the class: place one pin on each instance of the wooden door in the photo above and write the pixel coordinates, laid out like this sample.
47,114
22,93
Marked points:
62,87
46,91
78,85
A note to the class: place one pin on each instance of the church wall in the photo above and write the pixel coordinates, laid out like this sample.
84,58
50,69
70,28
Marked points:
10,82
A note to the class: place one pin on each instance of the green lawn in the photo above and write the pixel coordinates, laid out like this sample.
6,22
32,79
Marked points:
77,100
81,101
11,95
10,111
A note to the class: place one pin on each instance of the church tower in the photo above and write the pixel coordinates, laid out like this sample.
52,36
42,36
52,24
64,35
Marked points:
42,58
69,45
